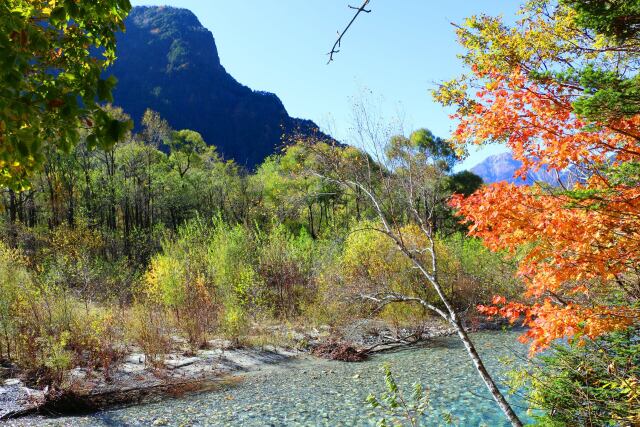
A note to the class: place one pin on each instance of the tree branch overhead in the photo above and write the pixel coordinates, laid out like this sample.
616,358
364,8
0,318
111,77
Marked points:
336,46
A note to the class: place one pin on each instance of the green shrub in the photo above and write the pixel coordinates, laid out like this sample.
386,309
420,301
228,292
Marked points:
371,263
179,280
16,286
232,259
471,274
46,329
235,324
589,383
285,264
76,258
148,328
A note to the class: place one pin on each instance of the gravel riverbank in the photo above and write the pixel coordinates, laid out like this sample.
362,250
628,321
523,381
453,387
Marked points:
307,391
133,381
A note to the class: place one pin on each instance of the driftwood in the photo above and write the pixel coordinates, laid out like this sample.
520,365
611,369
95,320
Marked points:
347,352
72,402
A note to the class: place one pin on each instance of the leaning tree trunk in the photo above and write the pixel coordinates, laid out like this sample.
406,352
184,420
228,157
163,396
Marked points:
450,315
484,374
455,320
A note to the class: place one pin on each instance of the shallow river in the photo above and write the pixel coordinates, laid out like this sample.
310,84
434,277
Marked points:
326,393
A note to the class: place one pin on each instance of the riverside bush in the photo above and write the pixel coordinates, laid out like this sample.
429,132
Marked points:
214,277
148,328
369,263
589,382
16,285
285,268
366,263
179,281
209,277
46,329
473,274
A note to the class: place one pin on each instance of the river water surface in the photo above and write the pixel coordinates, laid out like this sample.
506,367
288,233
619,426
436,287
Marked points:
310,392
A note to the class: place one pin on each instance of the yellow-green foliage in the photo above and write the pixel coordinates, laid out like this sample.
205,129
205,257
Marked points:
166,281
45,328
74,258
371,263
204,276
285,268
231,253
148,328
235,323
179,280
16,288
472,274
215,277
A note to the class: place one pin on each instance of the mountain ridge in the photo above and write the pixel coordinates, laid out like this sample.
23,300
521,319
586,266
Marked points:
169,62
502,167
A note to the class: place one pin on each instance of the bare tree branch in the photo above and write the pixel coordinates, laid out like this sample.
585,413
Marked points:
336,46
392,229
385,300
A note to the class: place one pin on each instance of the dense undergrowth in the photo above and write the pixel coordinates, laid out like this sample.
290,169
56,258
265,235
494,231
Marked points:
58,309
160,239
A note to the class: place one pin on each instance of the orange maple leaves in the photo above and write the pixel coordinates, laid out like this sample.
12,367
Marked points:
536,121
577,249
547,321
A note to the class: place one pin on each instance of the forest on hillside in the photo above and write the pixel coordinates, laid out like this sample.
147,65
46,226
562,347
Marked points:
122,238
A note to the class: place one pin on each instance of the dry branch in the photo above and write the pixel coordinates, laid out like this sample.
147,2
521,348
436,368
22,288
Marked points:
336,46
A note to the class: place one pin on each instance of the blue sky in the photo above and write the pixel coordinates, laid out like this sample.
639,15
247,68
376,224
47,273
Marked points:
398,52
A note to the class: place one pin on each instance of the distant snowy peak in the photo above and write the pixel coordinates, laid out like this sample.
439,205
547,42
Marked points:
502,167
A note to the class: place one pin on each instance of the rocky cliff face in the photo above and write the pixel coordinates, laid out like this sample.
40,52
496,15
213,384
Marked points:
168,61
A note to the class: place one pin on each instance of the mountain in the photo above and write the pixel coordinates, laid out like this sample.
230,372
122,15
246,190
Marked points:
168,62
502,167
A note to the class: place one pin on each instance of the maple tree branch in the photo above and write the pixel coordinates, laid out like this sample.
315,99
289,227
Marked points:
336,46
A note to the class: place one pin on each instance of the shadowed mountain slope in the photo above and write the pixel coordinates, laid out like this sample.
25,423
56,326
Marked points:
169,62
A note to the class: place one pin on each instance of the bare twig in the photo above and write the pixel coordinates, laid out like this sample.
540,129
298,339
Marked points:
336,46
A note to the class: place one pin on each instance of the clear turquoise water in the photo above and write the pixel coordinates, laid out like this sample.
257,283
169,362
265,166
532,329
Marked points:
327,393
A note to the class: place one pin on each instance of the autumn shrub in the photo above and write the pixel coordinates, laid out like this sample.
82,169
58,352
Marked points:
333,302
65,332
46,329
35,322
149,329
95,334
231,256
69,259
208,277
220,278
472,274
78,259
232,259
331,305
365,263
15,285
371,264
179,280
285,266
